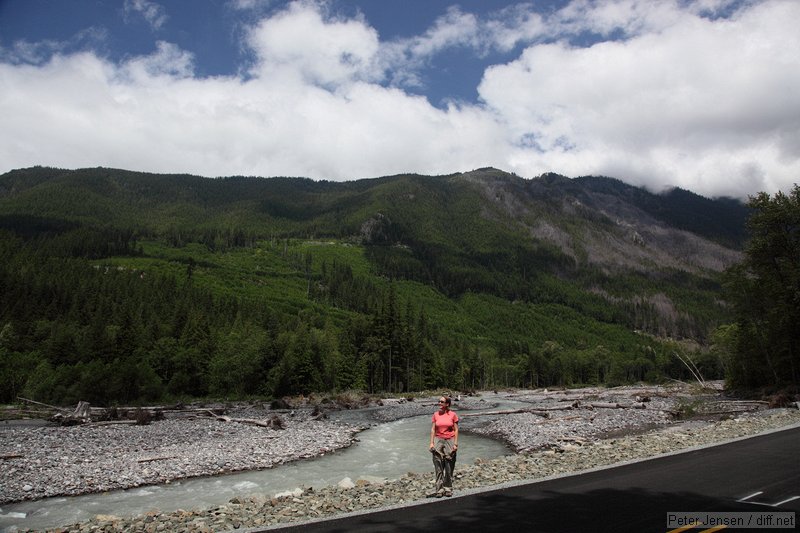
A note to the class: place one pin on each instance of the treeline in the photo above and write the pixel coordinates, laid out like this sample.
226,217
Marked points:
72,328
763,344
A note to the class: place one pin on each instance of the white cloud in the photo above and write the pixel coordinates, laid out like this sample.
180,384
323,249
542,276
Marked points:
250,5
683,98
308,108
40,52
168,60
454,29
689,101
514,25
301,42
154,14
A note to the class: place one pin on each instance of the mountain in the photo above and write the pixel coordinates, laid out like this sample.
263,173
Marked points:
495,263
591,220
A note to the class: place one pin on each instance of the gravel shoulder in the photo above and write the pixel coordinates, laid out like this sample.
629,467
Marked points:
554,432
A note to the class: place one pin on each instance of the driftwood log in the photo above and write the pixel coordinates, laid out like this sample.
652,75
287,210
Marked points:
113,423
540,412
604,405
22,412
275,422
80,415
7,456
546,412
34,402
151,459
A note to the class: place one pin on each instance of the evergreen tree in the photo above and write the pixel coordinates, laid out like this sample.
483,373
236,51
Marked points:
765,292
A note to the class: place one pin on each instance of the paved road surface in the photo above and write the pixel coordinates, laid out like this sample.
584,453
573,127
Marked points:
751,475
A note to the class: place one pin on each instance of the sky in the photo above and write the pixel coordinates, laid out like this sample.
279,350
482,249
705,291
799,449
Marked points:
698,94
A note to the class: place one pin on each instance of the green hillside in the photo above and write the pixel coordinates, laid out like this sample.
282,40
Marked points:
125,287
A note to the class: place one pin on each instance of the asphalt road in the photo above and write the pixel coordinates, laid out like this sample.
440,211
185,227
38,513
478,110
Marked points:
746,476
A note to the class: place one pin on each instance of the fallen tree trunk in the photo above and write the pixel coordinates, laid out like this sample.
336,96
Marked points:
11,456
273,423
20,412
731,412
603,405
540,412
251,421
741,404
151,459
43,404
546,412
113,423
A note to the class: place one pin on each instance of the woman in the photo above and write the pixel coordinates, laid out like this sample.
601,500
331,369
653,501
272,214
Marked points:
443,446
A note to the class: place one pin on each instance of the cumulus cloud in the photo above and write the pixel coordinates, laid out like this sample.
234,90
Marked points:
699,95
322,51
690,101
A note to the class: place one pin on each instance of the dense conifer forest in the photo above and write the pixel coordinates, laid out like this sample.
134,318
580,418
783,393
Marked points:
123,287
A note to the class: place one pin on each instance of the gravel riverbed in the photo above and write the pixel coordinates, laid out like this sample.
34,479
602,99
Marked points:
66,461
556,432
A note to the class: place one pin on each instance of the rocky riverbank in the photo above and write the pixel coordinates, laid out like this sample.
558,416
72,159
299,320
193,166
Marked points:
558,431
41,462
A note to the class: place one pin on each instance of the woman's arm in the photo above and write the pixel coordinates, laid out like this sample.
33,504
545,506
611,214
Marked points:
433,432
455,438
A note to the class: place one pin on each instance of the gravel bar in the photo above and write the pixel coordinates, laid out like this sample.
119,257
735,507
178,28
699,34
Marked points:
565,431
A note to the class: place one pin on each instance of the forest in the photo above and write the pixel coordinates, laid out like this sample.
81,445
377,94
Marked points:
125,288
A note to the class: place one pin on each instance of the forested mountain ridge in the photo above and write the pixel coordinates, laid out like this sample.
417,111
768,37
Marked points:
545,208
393,283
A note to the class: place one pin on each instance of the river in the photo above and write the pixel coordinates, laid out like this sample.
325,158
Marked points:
388,451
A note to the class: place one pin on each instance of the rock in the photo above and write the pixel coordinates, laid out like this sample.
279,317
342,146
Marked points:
161,452
371,480
182,448
346,483
296,493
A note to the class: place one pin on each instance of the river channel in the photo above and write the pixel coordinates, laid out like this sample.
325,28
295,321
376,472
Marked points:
388,451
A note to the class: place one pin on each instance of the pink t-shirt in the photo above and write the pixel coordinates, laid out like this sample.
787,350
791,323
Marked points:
445,424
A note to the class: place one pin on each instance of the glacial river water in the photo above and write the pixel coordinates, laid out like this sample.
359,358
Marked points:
389,451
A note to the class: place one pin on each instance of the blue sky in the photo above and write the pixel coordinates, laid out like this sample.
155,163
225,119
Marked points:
700,94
